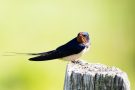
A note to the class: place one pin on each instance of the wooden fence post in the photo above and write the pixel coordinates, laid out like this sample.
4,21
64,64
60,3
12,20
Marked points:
85,76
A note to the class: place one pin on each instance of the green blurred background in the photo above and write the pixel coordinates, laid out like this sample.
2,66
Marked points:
41,25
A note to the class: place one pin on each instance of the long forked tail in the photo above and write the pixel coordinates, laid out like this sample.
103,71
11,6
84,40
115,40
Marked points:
50,55
43,56
17,53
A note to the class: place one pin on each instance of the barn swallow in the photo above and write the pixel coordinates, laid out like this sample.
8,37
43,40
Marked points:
70,51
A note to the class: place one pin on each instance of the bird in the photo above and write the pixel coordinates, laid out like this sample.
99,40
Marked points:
70,51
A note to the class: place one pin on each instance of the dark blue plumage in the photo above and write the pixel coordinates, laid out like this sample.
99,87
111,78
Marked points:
73,47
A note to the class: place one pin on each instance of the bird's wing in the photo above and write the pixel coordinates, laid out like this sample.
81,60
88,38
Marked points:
65,50
54,54
46,56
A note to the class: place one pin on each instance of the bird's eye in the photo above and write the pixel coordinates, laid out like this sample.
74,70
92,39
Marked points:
84,35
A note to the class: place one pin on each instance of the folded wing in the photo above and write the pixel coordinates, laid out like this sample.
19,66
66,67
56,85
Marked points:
70,48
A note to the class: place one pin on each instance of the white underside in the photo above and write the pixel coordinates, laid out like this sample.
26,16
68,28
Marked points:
75,57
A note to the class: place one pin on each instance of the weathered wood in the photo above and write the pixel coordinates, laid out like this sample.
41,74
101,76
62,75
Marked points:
85,76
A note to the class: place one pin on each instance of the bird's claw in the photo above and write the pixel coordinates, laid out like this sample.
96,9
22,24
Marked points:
75,61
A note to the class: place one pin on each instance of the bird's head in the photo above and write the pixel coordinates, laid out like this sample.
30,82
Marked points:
83,37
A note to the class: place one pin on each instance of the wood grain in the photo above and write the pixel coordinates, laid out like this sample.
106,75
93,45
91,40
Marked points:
86,76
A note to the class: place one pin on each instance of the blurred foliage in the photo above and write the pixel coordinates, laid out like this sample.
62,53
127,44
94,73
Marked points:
41,25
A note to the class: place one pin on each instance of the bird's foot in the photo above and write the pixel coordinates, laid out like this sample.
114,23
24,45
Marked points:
80,62
75,61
